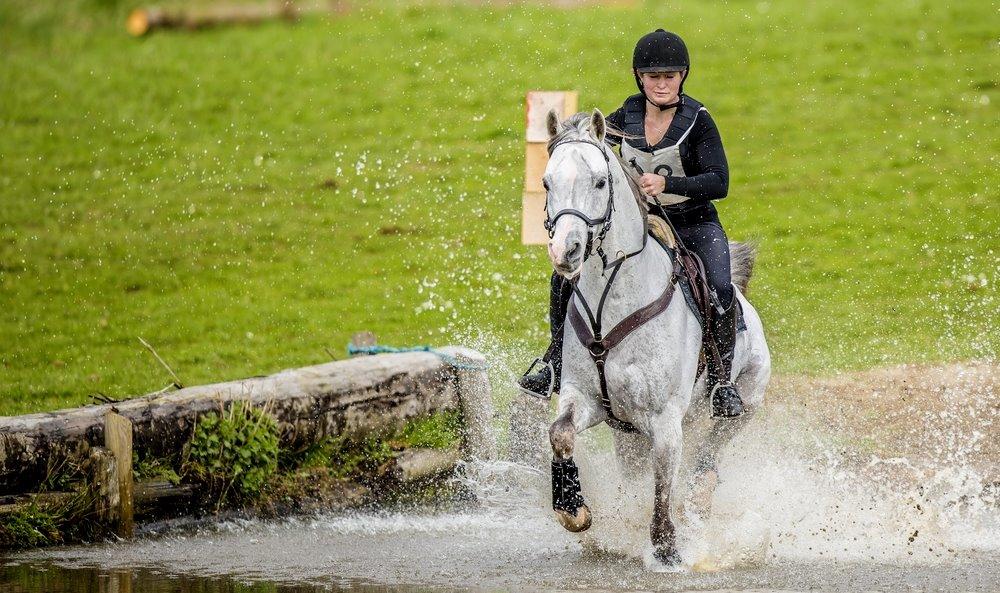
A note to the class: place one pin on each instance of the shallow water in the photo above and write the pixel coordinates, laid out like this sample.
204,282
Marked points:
790,514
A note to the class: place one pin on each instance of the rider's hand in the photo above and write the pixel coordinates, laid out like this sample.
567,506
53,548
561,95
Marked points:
652,184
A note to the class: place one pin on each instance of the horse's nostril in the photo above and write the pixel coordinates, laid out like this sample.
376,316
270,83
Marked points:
572,251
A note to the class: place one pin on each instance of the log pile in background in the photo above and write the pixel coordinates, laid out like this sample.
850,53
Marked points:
144,20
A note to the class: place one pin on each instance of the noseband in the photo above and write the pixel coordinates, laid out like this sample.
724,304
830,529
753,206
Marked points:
604,221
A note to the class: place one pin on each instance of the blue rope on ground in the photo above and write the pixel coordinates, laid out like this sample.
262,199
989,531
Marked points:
448,358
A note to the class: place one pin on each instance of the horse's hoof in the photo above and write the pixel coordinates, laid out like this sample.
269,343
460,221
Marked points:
669,558
575,523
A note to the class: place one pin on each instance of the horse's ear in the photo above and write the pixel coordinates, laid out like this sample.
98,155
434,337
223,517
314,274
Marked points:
598,126
552,122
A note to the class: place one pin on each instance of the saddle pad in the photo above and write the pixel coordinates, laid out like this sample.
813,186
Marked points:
659,229
686,286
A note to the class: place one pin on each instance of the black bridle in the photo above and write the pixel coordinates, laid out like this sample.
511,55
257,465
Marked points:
604,221
591,337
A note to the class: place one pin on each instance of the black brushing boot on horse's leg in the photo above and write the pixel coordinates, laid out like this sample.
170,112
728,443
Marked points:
544,382
726,401
567,500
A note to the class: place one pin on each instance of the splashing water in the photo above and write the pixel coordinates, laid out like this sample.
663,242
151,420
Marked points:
809,496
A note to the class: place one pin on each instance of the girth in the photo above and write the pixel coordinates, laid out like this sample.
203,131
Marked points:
588,331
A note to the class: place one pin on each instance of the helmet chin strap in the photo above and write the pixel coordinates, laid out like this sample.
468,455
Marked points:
680,91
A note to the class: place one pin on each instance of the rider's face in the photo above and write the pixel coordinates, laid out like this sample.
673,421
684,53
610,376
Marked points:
662,87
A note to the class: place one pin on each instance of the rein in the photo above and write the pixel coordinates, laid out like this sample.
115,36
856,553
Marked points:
589,331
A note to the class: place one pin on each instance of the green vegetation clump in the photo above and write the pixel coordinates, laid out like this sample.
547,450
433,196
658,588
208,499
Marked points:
67,519
29,527
233,454
154,468
347,457
437,431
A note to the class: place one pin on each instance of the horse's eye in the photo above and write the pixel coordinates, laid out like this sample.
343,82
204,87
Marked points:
600,183
545,184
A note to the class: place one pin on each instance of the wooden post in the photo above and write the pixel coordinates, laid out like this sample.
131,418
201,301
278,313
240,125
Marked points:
364,339
537,106
103,470
118,440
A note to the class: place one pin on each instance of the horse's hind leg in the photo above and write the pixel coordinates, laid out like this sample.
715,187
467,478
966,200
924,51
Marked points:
632,451
666,462
751,383
567,501
705,473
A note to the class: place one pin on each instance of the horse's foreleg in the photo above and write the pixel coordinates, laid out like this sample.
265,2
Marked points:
567,501
666,462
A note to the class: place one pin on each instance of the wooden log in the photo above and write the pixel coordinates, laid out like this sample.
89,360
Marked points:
160,498
11,503
355,397
143,20
118,440
416,464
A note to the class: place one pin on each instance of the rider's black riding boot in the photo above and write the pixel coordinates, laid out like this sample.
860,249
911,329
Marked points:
726,402
537,383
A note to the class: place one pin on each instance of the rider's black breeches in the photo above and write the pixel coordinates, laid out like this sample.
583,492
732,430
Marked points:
709,241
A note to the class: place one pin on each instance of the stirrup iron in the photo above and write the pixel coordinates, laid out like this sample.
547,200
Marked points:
552,380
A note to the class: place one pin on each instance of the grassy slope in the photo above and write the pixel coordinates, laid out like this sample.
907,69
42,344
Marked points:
174,187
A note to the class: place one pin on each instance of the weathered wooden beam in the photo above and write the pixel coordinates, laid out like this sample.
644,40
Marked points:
354,397
160,498
12,503
118,440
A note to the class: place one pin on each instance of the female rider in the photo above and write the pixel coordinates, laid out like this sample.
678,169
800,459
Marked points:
673,142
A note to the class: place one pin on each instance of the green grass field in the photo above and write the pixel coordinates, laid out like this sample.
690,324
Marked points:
247,198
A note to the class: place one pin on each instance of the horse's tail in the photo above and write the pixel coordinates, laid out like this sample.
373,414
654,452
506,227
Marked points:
742,256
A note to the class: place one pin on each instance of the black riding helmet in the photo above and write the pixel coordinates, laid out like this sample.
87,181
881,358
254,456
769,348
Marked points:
660,51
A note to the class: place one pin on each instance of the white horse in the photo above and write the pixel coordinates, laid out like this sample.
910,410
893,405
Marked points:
593,215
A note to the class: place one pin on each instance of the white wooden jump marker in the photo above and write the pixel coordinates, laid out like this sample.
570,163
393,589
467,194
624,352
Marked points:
537,106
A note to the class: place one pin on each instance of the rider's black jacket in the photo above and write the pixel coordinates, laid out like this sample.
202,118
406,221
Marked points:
701,152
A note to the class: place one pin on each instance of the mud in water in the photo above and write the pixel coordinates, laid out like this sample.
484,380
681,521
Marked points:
882,481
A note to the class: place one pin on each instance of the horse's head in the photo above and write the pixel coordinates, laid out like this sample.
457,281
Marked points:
577,182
